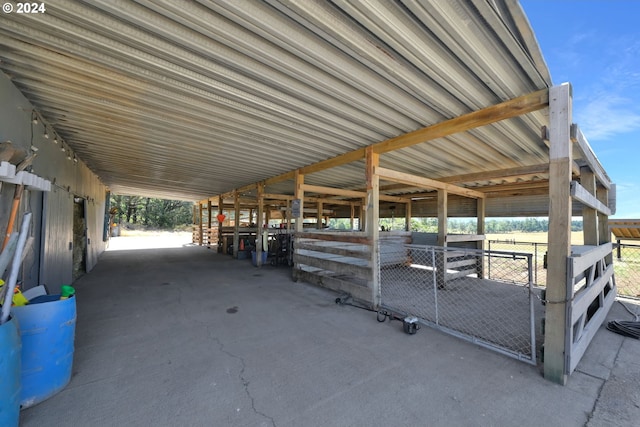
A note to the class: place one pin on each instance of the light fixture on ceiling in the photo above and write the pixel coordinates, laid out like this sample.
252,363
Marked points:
46,134
62,148
55,139
34,148
34,117
75,159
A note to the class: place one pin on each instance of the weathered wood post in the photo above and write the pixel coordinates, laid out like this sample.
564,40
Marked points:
441,257
372,215
260,223
236,223
297,207
559,240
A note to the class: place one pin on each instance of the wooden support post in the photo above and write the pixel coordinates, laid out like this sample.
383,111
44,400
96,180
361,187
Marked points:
407,216
441,257
353,214
288,215
589,215
221,248
373,215
200,225
560,161
209,223
604,234
362,215
319,215
195,224
299,200
260,222
236,223
480,214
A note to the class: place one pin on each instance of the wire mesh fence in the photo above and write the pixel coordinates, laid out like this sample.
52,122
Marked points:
537,251
449,288
626,266
626,263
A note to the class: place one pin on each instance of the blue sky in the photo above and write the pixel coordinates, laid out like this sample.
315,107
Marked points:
595,45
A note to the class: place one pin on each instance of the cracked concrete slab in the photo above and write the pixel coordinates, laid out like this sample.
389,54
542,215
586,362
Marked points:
183,336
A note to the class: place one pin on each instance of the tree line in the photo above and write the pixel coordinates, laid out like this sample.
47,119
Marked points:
492,226
151,213
463,226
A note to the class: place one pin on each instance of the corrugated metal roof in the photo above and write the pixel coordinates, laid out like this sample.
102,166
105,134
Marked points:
193,99
625,229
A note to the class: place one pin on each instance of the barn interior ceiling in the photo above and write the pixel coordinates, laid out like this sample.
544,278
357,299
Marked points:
187,100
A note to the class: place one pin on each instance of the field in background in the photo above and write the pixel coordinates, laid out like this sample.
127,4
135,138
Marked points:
541,237
627,267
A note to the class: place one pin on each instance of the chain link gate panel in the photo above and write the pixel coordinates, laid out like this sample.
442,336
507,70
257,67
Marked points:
445,288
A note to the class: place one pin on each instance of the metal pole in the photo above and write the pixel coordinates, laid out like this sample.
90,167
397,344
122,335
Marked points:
532,315
435,282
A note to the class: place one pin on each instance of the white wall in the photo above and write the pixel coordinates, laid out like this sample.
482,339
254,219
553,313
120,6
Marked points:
47,261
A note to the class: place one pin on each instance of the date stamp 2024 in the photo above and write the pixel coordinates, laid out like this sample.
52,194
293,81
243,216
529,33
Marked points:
24,8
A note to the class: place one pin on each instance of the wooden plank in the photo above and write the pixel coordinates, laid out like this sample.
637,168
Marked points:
580,194
589,256
590,331
336,250
591,160
584,298
518,172
556,343
334,266
451,238
337,236
350,193
423,182
359,292
462,263
334,191
504,110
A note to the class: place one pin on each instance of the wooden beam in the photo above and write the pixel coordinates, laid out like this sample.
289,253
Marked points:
348,193
590,159
419,181
559,236
505,110
512,108
522,171
582,195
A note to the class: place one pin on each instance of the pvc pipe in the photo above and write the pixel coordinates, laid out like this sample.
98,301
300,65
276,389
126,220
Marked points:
15,267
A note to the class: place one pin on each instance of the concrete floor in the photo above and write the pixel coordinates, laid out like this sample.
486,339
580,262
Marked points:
185,337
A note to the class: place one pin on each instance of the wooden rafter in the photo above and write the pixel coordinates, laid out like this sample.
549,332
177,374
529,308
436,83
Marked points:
505,110
419,181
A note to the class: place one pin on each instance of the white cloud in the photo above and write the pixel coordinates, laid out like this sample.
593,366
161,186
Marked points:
606,115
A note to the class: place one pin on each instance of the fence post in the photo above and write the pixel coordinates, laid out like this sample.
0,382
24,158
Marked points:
560,173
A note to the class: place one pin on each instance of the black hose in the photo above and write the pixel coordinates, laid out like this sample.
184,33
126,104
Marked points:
625,327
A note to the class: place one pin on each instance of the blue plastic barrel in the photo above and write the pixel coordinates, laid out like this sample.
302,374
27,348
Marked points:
9,374
47,331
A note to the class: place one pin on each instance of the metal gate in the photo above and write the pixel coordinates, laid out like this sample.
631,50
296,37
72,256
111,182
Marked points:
447,288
